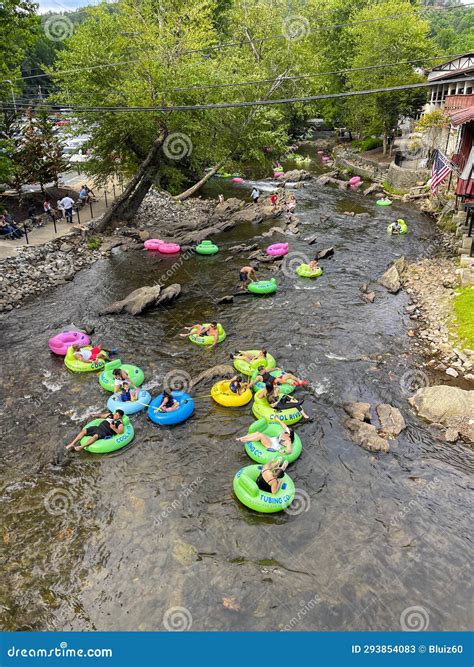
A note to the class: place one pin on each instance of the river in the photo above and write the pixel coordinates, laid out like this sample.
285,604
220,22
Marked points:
153,535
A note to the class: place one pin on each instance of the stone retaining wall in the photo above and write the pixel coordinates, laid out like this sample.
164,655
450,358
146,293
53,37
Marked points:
361,166
404,179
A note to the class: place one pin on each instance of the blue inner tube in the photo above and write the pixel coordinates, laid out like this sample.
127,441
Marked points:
130,407
185,410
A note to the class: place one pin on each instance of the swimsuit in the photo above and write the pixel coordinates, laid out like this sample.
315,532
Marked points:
262,483
103,430
243,276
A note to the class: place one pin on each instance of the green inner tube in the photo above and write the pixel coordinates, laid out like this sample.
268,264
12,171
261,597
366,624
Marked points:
207,248
247,368
284,388
208,340
258,452
263,287
304,271
106,378
110,444
263,410
247,491
403,225
383,202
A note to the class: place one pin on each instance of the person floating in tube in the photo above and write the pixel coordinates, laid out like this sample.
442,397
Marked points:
202,330
396,227
110,425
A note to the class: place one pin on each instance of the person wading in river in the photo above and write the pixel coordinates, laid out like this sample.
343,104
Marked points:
246,275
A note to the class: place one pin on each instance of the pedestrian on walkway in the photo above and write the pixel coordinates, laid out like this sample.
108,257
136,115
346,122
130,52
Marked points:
67,203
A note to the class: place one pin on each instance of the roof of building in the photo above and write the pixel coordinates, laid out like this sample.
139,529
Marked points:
462,65
461,116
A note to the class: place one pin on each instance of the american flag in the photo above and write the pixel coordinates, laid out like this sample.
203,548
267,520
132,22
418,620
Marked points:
441,168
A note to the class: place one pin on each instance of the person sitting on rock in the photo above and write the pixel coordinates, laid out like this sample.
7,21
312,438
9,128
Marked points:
111,425
168,404
279,443
246,275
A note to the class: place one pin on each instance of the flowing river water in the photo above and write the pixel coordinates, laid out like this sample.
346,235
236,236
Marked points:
152,536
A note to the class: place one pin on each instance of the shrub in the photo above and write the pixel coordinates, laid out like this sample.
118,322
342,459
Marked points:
367,144
94,243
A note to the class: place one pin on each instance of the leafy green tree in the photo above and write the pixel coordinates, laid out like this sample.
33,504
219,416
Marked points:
35,151
393,40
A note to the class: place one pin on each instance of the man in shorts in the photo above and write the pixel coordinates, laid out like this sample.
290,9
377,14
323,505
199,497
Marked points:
110,425
246,275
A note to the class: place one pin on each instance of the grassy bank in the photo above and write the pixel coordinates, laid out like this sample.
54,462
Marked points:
464,317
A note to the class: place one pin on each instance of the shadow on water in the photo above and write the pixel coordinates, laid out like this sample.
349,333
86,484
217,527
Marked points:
111,543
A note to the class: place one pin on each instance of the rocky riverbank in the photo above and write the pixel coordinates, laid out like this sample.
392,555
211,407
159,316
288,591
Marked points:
431,284
36,269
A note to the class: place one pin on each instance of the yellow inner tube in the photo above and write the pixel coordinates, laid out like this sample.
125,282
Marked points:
222,394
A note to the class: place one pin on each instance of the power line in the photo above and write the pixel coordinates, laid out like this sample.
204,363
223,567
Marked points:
267,102
243,41
27,101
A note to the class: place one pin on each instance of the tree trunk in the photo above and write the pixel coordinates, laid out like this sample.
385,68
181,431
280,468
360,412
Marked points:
384,144
197,186
127,204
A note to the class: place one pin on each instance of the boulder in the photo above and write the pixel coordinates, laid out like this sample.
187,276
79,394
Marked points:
359,411
296,175
366,436
391,419
220,371
326,253
441,402
391,280
144,297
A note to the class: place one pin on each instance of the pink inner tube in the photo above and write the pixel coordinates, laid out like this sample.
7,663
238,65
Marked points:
355,180
169,248
59,344
320,152
277,249
153,244
325,158
237,179
278,174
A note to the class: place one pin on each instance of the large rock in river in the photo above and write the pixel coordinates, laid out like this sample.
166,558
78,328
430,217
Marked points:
450,406
439,403
296,175
144,297
366,436
391,419
391,280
